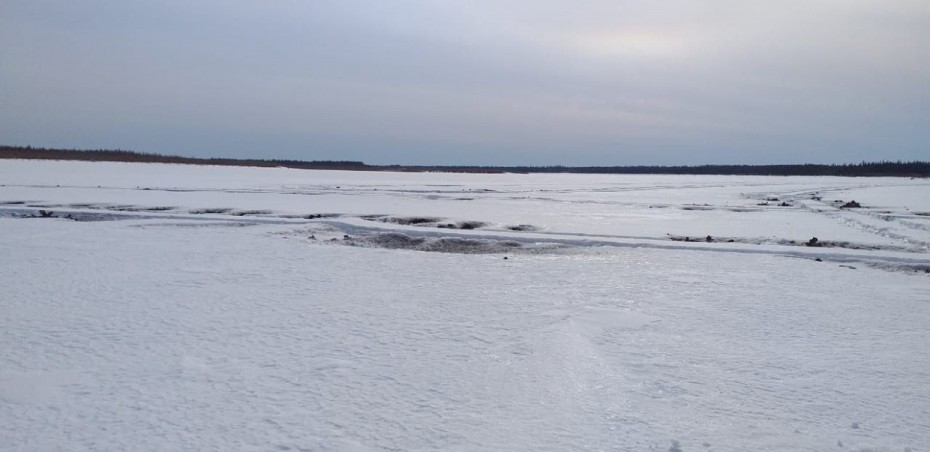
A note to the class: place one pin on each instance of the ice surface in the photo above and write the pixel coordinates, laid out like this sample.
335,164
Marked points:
312,325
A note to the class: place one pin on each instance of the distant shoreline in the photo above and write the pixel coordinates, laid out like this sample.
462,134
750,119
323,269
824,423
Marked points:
864,169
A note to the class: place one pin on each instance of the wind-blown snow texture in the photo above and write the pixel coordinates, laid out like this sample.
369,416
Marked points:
163,307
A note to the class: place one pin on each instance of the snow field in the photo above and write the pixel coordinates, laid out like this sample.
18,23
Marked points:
186,331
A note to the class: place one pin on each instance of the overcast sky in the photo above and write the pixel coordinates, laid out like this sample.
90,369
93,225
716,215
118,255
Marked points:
596,82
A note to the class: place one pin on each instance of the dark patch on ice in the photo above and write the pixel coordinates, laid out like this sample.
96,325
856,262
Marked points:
96,213
110,207
242,213
471,224
116,207
412,220
853,246
406,221
74,216
812,242
391,240
208,210
468,225
438,222
686,238
95,216
13,203
851,205
314,216
133,208
439,244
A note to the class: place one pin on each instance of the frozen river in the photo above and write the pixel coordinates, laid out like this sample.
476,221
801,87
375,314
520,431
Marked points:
170,307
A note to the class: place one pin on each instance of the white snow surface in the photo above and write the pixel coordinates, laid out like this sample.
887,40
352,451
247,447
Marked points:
213,308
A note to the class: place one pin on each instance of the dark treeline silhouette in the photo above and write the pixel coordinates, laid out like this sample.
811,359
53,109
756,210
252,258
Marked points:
119,155
883,168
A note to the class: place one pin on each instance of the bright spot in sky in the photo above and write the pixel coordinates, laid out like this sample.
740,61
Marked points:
629,43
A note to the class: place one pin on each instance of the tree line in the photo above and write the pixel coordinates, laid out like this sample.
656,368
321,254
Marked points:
863,169
119,155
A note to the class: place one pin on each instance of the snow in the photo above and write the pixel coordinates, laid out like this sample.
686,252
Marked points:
171,330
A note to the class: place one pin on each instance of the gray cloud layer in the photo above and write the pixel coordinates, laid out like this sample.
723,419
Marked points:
488,82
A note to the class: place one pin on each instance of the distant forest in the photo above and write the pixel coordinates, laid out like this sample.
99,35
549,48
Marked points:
884,168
